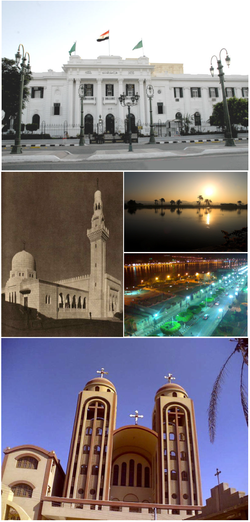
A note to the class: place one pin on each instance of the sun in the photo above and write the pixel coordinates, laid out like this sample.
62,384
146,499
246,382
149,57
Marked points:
209,191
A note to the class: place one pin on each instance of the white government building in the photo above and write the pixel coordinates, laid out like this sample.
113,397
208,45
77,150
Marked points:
55,106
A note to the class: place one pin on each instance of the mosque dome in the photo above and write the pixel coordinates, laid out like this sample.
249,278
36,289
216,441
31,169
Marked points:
23,261
101,383
169,389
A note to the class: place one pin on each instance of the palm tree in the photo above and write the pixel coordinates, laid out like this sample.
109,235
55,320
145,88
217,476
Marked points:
162,200
241,347
172,202
239,203
156,202
178,202
208,201
200,198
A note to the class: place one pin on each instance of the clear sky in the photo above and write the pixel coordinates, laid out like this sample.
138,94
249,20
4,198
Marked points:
42,379
187,33
220,187
51,213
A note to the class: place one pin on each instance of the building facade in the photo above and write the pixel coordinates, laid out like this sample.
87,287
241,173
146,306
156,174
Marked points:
54,103
126,473
97,295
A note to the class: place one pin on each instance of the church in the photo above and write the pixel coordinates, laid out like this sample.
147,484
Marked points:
97,295
55,106
129,473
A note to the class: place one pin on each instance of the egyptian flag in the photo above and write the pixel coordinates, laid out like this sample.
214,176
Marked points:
104,36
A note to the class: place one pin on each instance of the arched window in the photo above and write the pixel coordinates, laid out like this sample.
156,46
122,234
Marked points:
88,124
97,388
88,431
182,436
171,436
86,448
95,470
174,394
27,462
97,450
116,475
139,475
197,118
183,455
184,475
131,472
124,472
173,474
98,431
22,490
172,455
83,469
147,477
36,120
79,305
74,302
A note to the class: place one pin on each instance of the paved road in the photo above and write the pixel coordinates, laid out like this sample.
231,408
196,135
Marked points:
204,156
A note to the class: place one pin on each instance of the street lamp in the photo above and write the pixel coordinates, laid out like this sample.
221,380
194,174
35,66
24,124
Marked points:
150,95
82,93
128,101
229,142
23,69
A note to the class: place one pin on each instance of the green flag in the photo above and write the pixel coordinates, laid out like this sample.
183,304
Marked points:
138,45
73,48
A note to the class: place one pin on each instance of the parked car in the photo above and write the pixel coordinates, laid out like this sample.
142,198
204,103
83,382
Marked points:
206,316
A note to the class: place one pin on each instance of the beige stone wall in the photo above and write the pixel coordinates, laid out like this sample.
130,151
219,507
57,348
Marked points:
167,68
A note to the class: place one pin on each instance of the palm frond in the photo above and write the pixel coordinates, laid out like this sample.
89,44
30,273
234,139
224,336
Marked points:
212,410
243,394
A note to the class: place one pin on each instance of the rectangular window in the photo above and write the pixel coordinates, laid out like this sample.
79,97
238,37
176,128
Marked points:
213,92
178,92
160,108
89,89
109,89
56,109
195,92
130,89
229,92
244,91
37,92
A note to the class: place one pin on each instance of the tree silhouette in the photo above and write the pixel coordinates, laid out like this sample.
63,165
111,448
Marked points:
239,203
241,347
172,202
178,202
156,202
162,200
208,201
200,198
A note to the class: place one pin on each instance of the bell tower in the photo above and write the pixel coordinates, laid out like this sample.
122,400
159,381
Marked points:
98,234
90,456
179,482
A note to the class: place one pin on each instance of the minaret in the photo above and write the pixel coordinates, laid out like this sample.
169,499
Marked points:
90,456
98,235
178,464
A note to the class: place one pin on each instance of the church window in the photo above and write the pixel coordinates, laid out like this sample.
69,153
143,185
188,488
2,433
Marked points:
182,436
173,474
166,473
147,477
139,475
83,469
172,455
109,89
184,475
98,431
89,89
97,388
130,89
27,462
84,302
22,490
56,109
108,390
131,472
174,394
171,436
37,92
116,474
95,470
195,92
88,431
79,305
74,302
178,92
86,448
97,450
160,108
183,455
124,472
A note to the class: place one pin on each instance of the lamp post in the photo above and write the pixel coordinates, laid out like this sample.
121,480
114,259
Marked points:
229,142
150,95
24,69
81,92
128,101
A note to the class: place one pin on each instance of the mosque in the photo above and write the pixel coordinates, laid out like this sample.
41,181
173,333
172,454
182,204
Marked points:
129,473
98,295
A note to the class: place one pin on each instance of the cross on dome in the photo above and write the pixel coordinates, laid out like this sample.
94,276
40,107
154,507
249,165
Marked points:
136,416
102,372
169,377
217,475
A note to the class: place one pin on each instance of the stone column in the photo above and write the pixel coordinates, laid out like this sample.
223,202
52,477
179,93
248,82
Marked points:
70,102
77,115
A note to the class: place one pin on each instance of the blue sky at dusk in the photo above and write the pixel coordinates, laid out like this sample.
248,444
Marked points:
42,379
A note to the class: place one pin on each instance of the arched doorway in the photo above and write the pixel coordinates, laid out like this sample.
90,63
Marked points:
88,124
36,120
133,126
110,124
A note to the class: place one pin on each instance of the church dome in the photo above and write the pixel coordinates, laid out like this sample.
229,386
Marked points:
23,261
170,388
101,383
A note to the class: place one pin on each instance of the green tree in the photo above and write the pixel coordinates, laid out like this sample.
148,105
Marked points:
241,347
11,89
238,113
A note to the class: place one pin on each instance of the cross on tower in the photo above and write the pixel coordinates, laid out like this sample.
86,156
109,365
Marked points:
217,475
102,372
136,416
169,377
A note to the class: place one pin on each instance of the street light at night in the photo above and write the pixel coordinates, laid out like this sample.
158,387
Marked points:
150,95
129,101
229,142
82,93
23,69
